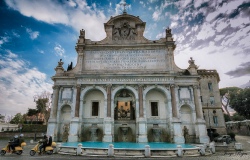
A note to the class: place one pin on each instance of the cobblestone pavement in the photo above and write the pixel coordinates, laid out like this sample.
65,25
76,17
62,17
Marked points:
219,155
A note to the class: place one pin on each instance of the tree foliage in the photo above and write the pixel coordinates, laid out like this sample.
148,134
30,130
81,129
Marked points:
17,119
240,102
31,112
231,90
41,105
237,117
227,117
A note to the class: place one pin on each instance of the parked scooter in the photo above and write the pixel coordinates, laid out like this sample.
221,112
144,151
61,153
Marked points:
18,149
48,149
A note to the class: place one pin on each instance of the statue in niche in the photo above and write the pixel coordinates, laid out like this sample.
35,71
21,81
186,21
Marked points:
185,134
65,133
122,112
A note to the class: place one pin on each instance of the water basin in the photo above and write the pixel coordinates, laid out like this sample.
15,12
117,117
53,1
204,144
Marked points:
127,145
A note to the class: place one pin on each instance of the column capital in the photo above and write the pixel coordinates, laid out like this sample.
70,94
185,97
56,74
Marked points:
55,87
77,86
196,86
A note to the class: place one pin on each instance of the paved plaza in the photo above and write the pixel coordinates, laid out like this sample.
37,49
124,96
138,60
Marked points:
219,155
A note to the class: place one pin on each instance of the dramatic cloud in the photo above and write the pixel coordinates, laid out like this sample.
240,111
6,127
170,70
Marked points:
76,14
19,83
243,70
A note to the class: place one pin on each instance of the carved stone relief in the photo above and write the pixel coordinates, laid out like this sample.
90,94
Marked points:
124,31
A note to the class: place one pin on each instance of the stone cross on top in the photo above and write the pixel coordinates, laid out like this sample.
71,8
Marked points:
124,4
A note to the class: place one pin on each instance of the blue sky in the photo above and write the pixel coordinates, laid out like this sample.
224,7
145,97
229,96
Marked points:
35,34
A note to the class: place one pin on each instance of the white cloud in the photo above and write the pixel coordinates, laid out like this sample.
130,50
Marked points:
40,51
19,84
156,15
206,32
3,40
59,50
33,34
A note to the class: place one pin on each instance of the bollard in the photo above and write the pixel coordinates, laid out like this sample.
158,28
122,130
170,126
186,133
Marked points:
58,147
212,147
179,151
111,150
147,151
31,141
224,144
202,150
79,149
238,146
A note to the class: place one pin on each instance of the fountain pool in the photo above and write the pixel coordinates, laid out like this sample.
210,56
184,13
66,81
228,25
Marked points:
127,145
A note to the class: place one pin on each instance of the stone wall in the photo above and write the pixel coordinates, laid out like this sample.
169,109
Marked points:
239,127
26,134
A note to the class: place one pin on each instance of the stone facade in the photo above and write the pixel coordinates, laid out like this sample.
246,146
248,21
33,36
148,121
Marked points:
128,88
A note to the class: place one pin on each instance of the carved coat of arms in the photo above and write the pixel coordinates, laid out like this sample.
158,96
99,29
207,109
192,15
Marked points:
124,32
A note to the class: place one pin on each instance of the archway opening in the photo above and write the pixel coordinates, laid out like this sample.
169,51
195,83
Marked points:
124,116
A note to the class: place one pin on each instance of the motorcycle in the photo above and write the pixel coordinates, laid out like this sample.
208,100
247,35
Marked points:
18,149
48,149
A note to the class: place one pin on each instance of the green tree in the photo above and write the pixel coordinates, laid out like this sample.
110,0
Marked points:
32,112
237,117
227,117
223,91
41,105
240,102
17,119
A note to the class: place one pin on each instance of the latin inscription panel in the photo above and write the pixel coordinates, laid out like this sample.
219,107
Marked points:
125,60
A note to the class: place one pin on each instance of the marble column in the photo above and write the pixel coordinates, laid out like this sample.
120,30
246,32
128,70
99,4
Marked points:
178,137
52,123
55,101
77,105
196,102
140,89
173,101
201,136
109,100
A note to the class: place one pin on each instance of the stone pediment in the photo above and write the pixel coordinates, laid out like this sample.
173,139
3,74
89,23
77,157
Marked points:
123,28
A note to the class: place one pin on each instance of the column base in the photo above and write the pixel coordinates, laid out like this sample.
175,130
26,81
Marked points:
73,138
107,130
142,126
51,129
202,131
74,127
107,138
142,139
179,139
